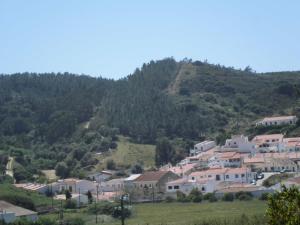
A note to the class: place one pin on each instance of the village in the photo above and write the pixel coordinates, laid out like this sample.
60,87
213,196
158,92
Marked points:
240,165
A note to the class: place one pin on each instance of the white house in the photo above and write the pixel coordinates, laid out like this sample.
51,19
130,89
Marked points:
100,176
181,169
186,185
239,142
80,199
114,185
269,143
226,159
128,182
75,185
202,147
276,121
292,144
241,175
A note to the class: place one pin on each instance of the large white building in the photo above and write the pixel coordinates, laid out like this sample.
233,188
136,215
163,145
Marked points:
269,143
74,186
241,175
277,121
202,147
240,143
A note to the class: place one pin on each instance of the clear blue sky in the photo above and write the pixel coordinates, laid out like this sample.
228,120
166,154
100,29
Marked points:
111,38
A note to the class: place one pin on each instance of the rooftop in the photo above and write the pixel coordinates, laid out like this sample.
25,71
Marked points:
276,118
152,176
19,211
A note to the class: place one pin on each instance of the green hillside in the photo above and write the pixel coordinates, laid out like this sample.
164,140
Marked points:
61,121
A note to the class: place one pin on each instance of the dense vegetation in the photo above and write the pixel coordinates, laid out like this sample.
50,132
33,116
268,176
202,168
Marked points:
61,120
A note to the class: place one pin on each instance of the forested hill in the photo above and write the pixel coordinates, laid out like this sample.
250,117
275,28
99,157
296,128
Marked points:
163,98
62,117
196,99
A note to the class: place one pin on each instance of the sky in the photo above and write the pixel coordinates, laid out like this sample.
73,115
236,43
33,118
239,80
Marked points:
111,38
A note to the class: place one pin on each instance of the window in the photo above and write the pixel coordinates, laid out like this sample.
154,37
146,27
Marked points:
150,185
193,178
203,189
209,175
176,187
218,177
170,187
227,176
236,176
243,175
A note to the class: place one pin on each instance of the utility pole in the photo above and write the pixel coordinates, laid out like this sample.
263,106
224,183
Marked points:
122,210
52,195
79,198
96,210
61,213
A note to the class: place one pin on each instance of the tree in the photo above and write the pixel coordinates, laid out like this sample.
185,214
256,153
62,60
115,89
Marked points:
137,169
110,164
90,197
164,151
68,195
284,207
62,170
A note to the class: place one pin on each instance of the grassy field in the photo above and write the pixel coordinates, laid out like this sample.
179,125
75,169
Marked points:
128,153
179,213
39,200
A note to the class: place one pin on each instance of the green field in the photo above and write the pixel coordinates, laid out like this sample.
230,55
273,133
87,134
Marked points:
128,153
179,213
7,191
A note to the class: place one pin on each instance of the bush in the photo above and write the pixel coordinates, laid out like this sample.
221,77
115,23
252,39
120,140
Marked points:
117,213
195,195
228,197
18,200
110,164
104,207
264,196
74,221
70,204
169,199
181,197
244,197
238,194
211,197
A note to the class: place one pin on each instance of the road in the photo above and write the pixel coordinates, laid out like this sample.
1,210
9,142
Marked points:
9,167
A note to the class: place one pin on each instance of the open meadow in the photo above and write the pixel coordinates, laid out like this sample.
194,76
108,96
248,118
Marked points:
182,213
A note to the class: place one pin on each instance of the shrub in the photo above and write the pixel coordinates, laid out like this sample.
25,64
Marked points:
195,195
70,204
104,207
211,197
74,221
264,196
240,193
181,197
18,200
244,197
117,213
169,199
283,207
228,197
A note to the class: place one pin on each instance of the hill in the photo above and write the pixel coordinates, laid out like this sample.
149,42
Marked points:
61,120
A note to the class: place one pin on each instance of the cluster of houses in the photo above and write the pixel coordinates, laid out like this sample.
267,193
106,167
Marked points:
210,168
